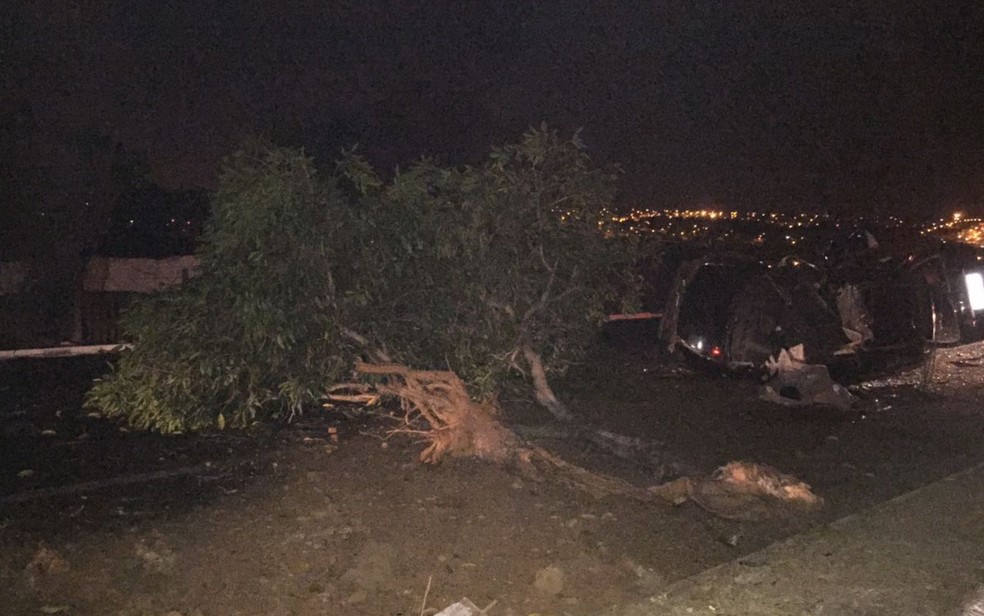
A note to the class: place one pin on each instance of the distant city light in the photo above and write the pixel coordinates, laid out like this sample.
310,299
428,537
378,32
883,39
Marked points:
686,224
790,228
959,228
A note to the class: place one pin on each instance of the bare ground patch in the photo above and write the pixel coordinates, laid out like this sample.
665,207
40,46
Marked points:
293,523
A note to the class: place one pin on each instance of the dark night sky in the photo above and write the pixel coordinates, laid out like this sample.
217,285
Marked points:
803,105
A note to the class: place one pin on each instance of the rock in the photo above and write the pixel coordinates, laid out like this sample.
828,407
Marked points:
358,596
159,559
549,580
462,608
753,576
298,567
373,568
650,582
45,563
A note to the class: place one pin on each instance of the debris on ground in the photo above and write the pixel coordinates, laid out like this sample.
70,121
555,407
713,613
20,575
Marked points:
465,608
744,491
794,382
45,562
155,556
974,606
549,581
946,371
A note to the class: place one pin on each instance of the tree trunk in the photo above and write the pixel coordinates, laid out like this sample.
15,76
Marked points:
545,395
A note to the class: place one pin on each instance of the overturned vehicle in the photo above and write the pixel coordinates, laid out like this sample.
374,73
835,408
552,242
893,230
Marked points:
851,307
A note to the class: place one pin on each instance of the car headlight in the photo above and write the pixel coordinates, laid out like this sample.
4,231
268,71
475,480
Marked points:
975,290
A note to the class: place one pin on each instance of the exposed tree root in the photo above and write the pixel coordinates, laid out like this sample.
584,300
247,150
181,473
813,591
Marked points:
460,426
351,393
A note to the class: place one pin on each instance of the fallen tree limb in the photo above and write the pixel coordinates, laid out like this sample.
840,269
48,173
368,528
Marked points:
460,426
648,454
541,387
88,486
596,484
64,351
377,354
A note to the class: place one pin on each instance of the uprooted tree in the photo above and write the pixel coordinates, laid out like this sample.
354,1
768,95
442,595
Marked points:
437,286
486,271
255,334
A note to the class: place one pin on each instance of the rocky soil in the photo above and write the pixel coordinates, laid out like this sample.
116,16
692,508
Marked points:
332,517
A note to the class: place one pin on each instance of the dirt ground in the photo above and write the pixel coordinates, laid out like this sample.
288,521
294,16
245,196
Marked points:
94,520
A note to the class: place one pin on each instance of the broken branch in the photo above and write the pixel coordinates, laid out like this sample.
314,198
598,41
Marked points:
541,387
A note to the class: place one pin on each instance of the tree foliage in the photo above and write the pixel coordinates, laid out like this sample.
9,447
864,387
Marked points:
254,334
464,268
467,269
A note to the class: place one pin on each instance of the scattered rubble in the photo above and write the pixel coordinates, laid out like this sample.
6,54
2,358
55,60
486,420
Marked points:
743,491
793,382
549,580
46,562
465,608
